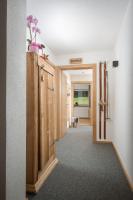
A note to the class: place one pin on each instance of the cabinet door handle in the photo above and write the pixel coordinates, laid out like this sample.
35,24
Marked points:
42,78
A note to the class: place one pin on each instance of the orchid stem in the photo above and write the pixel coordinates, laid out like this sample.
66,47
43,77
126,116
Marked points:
30,33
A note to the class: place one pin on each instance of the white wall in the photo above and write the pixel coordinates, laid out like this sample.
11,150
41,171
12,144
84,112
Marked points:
81,77
122,125
88,57
16,101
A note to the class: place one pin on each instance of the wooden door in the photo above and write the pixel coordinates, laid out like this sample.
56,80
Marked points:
43,136
51,114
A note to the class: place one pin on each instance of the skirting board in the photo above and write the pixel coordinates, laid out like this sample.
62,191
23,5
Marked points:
123,167
35,188
103,142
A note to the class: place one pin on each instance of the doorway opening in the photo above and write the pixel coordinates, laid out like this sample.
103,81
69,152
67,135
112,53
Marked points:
77,98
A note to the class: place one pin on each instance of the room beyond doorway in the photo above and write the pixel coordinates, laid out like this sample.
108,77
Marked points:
82,98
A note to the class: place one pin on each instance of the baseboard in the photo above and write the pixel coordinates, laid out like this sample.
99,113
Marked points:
103,142
123,167
35,188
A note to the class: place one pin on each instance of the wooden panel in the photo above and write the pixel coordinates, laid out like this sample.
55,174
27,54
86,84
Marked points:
94,97
77,67
63,104
43,176
105,100
55,103
76,60
44,138
45,65
102,101
40,122
58,96
51,114
100,97
32,118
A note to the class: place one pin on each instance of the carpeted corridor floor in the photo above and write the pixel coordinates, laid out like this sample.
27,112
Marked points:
86,171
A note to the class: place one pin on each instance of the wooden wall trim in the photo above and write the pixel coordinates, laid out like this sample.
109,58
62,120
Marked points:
81,82
94,107
3,62
77,67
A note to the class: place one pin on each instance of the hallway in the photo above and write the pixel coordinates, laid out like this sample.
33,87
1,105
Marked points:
85,171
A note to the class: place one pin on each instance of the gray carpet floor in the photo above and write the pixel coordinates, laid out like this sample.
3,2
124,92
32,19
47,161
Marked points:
86,171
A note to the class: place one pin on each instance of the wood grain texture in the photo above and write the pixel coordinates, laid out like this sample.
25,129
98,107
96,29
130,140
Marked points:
63,104
35,188
44,140
45,65
77,67
32,118
100,98
40,120
51,114
58,93
55,84
94,103
105,88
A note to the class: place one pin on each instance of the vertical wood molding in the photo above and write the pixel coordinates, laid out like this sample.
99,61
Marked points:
94,107
3,38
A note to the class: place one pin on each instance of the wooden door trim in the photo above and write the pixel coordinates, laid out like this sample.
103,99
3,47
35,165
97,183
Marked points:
77,67
94,89
82,82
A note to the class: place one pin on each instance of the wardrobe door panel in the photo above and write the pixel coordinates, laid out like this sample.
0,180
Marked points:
44,140
51,114
32,120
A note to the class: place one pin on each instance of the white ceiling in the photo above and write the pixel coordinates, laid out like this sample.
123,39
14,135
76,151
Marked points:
79,72
75,26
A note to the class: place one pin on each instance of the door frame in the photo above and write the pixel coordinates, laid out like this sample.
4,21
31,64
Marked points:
94,89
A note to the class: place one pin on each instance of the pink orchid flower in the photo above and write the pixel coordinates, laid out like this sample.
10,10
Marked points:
35,21
33,29
30,19
36,30
36,44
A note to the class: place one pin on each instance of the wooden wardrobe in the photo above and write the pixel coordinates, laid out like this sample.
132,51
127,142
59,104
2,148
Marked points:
41,121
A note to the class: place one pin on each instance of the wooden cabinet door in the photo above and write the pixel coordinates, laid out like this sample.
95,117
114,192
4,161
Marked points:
51,114
32,120
44,137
